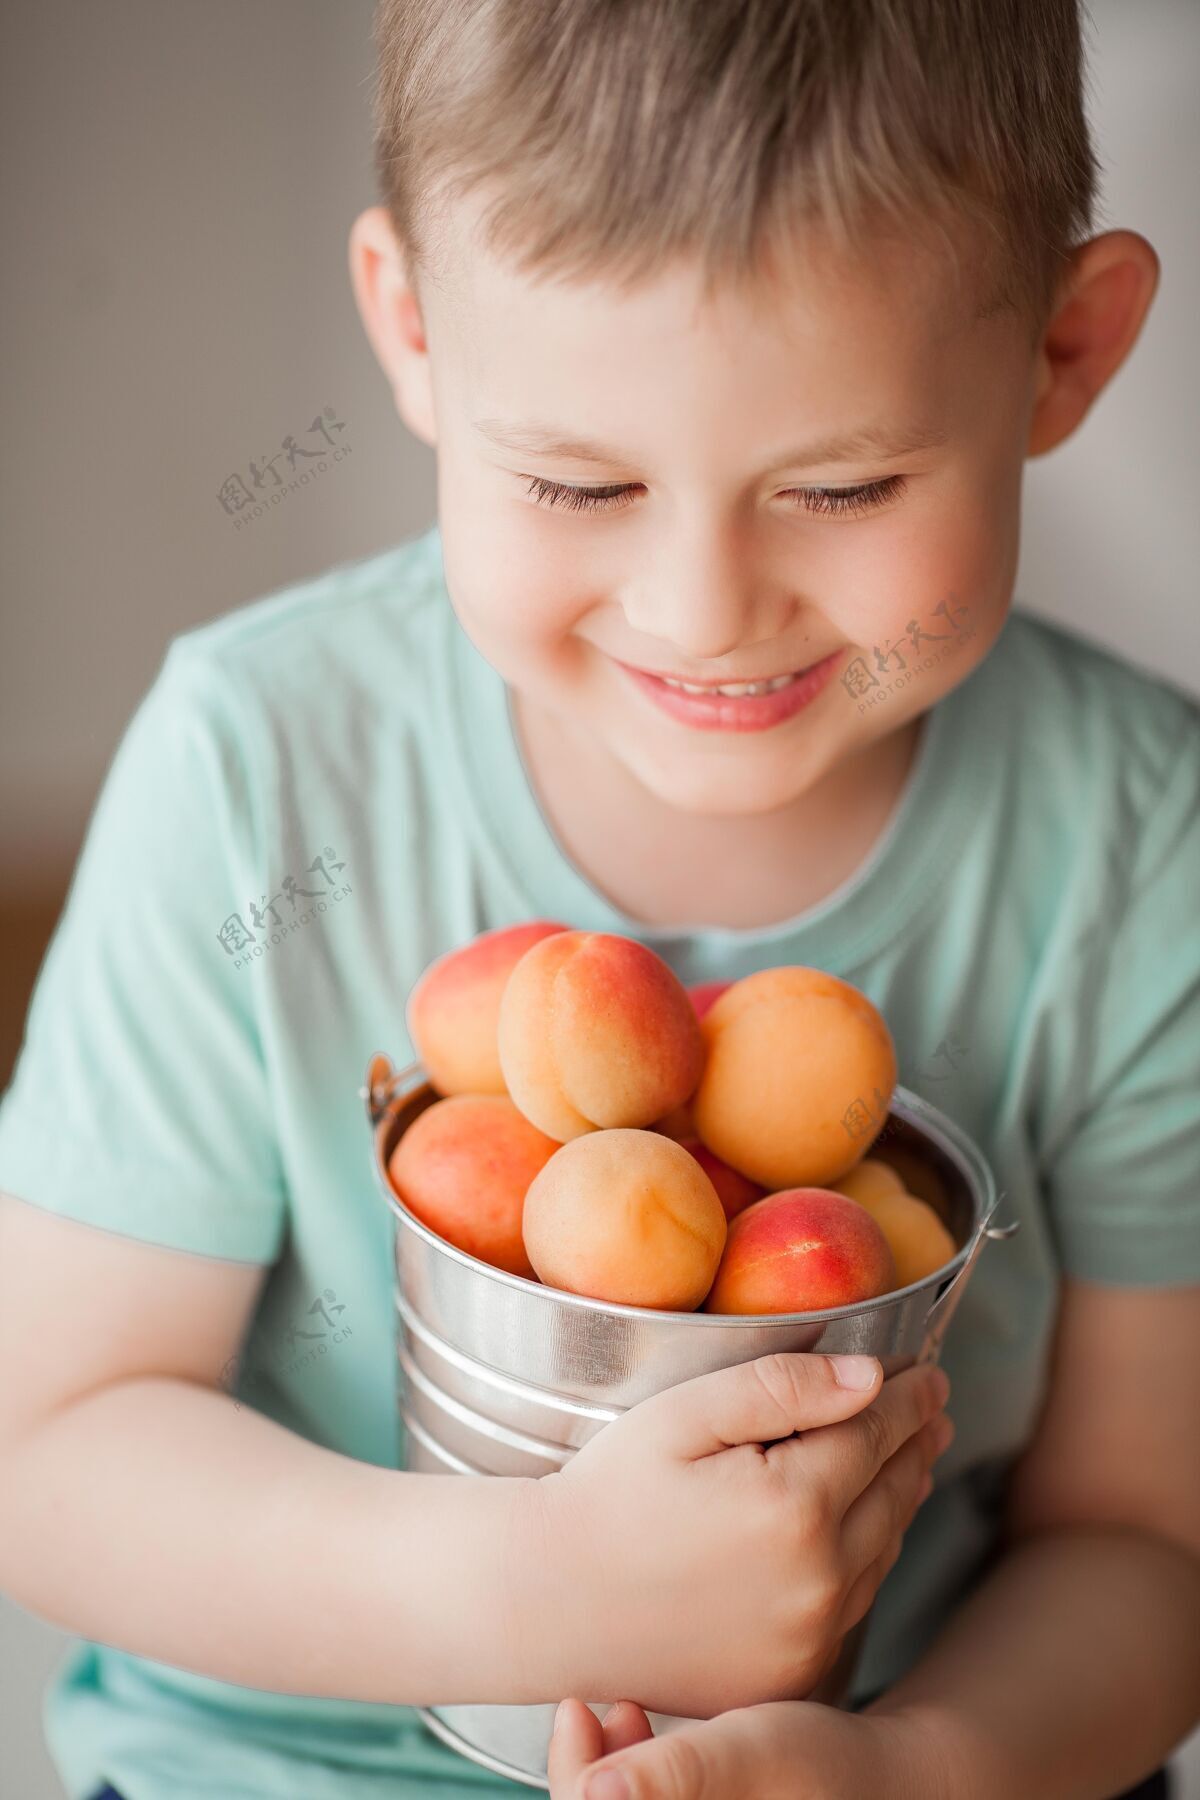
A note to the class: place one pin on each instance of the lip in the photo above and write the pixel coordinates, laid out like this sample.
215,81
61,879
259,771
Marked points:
724,712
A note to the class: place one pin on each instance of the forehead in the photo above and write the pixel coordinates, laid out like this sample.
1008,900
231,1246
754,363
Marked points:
815,322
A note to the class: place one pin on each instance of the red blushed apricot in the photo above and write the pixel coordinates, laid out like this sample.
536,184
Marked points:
804,1250
678,1124
463,1167
596,1032
625,1216
453,1008
734,1190
705,994
794,1057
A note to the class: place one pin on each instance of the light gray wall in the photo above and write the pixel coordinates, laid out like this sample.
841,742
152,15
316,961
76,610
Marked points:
178,184
178,181
1112,526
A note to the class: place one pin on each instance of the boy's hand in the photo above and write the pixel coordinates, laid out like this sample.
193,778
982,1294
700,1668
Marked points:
677,1559
785,1750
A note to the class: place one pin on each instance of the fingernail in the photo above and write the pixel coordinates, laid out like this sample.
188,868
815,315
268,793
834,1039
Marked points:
857,1372
606,1784
559,1710
925,1490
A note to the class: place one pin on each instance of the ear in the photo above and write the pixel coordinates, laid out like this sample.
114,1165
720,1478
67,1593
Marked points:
384,285
1102,301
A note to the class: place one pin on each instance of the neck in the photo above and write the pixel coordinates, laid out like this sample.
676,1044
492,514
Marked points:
739,872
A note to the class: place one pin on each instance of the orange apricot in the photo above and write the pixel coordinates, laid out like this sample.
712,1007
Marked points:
917,1175
869,1180
794,1056
919,1242
627,1216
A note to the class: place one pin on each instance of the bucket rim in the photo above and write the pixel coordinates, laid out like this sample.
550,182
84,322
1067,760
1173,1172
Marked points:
382,1093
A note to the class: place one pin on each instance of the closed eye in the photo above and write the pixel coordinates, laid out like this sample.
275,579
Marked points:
827,500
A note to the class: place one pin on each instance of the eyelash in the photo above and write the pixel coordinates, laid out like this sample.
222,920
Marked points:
858,499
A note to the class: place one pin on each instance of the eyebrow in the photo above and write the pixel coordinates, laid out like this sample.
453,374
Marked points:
546,440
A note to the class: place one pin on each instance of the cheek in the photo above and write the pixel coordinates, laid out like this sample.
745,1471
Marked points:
953,560
515,591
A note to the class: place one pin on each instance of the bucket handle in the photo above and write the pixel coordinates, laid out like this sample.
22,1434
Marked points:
378,1091
938,1318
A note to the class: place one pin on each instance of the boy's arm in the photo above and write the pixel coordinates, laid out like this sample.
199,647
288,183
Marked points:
1069,1674
1075,1668
140,1507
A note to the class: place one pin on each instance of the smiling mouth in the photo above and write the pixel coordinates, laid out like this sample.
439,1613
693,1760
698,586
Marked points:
733,690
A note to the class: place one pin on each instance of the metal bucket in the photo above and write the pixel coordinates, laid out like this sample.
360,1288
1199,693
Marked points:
503,1376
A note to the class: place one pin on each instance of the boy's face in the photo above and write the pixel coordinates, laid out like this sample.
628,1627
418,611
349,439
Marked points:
717,559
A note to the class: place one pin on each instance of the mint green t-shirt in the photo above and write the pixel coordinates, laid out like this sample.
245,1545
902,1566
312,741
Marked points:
320,793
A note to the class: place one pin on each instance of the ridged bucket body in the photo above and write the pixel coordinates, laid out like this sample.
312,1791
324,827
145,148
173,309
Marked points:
504,1376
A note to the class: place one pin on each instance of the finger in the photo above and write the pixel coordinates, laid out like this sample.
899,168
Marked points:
575,1742
758,1401
863,1590
845,1459
716,1757
885,1509
862,1594
624,1724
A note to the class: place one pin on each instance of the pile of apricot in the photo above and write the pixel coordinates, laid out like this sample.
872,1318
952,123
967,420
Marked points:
602,1129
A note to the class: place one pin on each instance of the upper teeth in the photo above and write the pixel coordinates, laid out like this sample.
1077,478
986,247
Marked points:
736,690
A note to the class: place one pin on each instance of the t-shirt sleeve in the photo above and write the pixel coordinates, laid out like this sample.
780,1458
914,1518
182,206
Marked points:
140,1098
1124,1184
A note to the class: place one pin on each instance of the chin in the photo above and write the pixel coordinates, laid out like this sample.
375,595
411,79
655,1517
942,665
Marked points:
717,787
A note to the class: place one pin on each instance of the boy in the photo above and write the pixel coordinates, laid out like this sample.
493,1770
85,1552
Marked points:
732,328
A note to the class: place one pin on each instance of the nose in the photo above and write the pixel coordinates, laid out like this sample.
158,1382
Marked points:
702,591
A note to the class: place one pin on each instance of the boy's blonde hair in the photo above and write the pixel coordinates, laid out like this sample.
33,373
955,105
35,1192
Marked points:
620,134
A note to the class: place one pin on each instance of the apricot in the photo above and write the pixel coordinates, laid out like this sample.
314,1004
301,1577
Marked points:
678,1124
793,1057
596,1032
803,1250
734,1190
704,995
917,1175
869,1180
463,1167
626,1216
452,1009
918,1240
